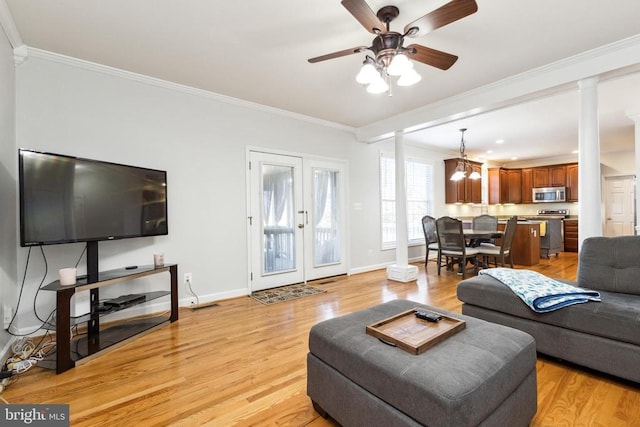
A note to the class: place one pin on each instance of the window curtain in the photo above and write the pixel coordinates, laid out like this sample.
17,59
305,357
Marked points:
279,239
326,229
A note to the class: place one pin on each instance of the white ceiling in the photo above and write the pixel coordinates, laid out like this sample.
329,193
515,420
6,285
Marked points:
257,51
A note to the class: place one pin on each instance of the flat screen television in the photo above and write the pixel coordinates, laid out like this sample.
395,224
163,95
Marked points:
65,199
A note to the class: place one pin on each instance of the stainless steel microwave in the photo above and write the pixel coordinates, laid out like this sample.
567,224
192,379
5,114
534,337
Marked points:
549,194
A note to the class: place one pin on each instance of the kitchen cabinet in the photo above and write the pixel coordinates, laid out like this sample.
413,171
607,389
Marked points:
527,185
473,187
571,235
558,175
526,243
572,182
516,185
454,190
466,190
494,186
550,176
505,186
514,179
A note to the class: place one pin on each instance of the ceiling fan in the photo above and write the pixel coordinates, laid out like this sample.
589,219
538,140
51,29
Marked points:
390,56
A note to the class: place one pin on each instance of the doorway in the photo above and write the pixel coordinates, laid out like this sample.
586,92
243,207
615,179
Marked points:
619,206
297,219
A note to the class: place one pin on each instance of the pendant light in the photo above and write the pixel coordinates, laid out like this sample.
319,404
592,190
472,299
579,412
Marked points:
461,168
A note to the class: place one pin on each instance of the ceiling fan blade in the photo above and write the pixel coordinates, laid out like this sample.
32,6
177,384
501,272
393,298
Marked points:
338,54
365,16
433,57
446,14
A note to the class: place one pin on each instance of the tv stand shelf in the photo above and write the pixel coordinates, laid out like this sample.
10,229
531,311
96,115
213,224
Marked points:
96,339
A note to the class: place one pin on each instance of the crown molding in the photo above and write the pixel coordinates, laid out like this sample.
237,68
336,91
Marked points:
9,26
20,54
609,61
152,81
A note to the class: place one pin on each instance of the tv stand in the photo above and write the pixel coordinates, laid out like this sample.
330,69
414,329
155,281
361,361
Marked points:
99,339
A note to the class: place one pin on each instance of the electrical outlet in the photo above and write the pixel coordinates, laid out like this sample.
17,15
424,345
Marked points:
188,278
7,311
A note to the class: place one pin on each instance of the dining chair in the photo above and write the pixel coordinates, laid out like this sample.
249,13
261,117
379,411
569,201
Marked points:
430,237
489,251
452,245
484,223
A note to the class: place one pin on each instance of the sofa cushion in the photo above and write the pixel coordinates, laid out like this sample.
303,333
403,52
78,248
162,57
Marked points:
610,264
617,316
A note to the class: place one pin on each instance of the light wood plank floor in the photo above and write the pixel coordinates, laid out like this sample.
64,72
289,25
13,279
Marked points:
243,363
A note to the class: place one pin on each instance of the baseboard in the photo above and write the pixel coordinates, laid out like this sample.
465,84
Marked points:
218,296
383,266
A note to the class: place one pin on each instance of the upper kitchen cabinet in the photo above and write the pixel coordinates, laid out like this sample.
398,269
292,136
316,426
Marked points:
505,186
466,190
572,182
550,176
527,185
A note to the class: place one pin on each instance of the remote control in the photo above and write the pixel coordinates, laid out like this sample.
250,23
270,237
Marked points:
428,316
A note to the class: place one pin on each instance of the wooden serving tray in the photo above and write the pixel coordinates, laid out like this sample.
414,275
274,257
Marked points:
412,334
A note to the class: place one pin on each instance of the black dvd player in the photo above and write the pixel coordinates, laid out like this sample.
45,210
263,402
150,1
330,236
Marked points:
124,300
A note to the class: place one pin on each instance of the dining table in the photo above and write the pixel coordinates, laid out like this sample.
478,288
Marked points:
473,237
471,234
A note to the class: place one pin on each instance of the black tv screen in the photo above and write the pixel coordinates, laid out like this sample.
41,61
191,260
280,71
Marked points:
65,199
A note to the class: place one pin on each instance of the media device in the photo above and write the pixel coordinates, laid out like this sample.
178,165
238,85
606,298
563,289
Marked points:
66,199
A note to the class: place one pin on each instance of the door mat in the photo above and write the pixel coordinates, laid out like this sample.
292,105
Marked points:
285,293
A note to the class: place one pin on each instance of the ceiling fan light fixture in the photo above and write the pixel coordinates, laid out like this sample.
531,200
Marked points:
368,74
390,57
378,86
399,65
409,77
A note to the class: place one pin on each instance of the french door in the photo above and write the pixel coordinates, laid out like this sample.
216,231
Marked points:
325,219
296,219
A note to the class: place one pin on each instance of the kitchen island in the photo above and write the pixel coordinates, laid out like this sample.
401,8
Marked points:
526,243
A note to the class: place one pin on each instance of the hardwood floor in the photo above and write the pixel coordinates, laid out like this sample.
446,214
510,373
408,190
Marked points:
243,363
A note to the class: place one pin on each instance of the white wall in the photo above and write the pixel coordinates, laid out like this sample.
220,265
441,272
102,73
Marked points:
618,164
8,221
201,141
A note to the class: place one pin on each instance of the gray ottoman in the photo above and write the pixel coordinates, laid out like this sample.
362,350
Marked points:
483,375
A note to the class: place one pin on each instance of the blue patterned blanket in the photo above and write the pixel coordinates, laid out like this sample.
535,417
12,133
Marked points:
539,292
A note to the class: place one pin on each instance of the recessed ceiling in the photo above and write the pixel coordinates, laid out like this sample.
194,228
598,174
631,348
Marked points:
543,128
258,52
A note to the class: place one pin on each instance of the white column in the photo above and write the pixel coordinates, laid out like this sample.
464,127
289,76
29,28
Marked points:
636,119
589,180
401,271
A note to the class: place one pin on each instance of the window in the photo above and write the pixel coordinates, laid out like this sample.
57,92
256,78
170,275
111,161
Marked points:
419,185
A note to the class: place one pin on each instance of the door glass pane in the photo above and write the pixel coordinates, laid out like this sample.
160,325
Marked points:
278,218
326,228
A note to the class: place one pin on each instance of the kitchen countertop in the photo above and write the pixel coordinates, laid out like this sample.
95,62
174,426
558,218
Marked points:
504,221
532,217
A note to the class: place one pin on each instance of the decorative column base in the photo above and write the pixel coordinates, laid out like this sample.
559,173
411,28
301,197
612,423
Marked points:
402,273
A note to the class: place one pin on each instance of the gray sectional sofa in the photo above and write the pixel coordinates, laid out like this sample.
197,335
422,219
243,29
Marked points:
604,336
